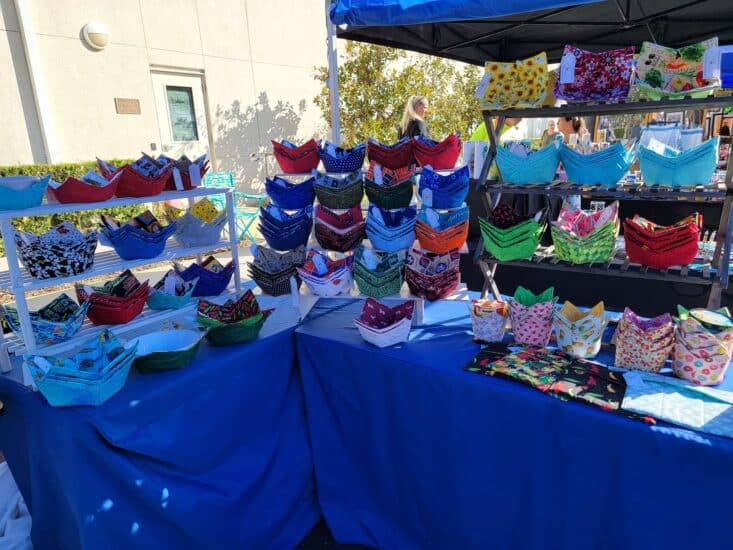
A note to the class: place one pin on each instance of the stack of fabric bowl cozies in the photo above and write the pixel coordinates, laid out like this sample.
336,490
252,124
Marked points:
605,167
56,322
136,242
142,178
89,378
272,270
324,276
211,277
532,315
339,231
378,274
383,325
171,292
294,159
284,231
290,195
339,193
340,159
582,237
393,157
435,236
509,236
488,318
91,187
578,333
19,192
432,276
391,230
60,252
200,225
234,322
703,345
388,188
643,344
444,191
537,167
673,168
660,246
116,302
440,155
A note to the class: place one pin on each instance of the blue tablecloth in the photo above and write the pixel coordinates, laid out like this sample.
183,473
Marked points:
212,456
411,451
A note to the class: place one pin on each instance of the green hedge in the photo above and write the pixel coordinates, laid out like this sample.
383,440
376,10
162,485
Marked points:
85,219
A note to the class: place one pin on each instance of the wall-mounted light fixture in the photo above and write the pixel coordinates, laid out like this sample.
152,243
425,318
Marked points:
96,35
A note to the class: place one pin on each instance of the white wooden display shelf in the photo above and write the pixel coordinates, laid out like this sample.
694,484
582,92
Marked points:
18,281
107,262
58,208
88,330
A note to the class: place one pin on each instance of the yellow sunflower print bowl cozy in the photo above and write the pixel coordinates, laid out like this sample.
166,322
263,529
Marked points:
520,84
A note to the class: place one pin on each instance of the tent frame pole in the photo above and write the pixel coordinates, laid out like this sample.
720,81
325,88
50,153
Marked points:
333,77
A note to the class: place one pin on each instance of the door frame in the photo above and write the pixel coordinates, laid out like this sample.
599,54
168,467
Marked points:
182,71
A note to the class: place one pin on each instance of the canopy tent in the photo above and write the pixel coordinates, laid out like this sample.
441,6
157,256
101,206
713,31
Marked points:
475,31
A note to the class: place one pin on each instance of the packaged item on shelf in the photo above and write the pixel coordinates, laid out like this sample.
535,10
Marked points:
669,73
393,157
272,270
584,237
171,292
140,238
89,378
296,159
389,189
56,322
91,187
116,302
284,231
703,345
508,236
432,276
385,326
339,232
679,169
339,193
643,344
605,167
341,159
20,192
597,76
660,246
391,230
61,251
440,155
181,169
532,315
538,167
234,322
444,191
580,333
141,178
213,278
489,319
165,350
290,195
521,84
324,276
378,274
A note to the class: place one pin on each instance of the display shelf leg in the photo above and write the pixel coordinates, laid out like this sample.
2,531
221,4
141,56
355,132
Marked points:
489,270
715,296
190,202
233,239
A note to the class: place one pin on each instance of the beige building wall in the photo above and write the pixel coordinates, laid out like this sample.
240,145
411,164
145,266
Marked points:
257,59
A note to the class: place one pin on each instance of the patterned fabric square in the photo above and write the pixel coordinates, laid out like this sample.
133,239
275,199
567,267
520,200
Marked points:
603,76
522,84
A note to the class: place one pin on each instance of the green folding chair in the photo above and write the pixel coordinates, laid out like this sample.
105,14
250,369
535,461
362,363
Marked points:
245,211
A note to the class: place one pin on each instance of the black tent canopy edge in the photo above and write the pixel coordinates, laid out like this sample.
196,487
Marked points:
595,27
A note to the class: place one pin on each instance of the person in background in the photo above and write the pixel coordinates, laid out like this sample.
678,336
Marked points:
635,132
571,125
724,129
548,136
413,119
481,134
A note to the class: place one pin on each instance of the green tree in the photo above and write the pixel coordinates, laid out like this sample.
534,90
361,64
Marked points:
375,82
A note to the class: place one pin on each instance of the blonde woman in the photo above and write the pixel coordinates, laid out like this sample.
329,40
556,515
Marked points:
413,123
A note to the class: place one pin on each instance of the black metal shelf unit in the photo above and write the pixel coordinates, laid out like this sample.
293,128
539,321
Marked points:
713,271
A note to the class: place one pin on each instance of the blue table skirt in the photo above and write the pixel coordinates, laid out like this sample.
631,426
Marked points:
212,456
411,451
